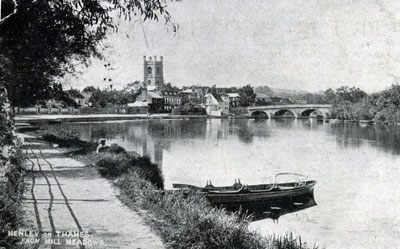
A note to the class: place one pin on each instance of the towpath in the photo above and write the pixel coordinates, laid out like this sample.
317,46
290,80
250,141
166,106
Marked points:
64,197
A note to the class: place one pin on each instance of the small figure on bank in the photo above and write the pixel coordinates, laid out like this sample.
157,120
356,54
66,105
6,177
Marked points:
102,145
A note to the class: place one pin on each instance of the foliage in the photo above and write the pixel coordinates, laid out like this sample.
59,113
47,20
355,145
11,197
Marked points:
239,111
11,193
68,30
169,87
261,102
220,90
89,89
330,95
352,94
6,135
115,149
112,161
68,140
27,69
354,104
246,95
114,165
189,109
74,93
186,220
57,92
100,98
6,124
11,175
311,98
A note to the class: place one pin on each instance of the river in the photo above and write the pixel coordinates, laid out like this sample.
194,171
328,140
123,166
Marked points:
356,168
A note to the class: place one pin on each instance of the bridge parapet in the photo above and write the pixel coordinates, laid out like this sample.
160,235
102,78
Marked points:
298,110
297,106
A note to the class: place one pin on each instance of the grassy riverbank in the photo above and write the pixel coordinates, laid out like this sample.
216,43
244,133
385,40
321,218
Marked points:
182,219
11,191
186,220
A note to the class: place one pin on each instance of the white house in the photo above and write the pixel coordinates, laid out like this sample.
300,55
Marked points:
216,105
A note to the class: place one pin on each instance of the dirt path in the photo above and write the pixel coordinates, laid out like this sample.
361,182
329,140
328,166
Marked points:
63,195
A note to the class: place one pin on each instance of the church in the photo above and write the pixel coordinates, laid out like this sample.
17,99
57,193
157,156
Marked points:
153,72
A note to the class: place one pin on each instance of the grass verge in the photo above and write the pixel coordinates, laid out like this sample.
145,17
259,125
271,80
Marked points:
186,220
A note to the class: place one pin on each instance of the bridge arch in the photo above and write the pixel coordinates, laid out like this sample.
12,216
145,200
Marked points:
298,110
259,114
284,112
308,112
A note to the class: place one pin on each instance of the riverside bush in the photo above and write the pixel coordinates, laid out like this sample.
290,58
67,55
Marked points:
68,140
115,148
114,165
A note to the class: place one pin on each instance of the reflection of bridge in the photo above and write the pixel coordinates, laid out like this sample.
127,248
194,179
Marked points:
296,110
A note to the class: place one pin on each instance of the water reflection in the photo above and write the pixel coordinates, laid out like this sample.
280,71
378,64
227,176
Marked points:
386,138
153,136
277,210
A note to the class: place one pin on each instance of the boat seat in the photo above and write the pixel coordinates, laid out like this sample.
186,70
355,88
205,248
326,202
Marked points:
284,188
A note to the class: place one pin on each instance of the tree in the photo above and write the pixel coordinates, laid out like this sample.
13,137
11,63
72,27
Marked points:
89,89
313,98
58,93
352,94
38,42
169,87
246,95
390,96
330,95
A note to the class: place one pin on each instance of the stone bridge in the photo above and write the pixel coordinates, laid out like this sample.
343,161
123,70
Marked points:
291,110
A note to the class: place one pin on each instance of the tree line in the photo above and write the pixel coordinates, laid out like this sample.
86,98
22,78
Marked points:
355,104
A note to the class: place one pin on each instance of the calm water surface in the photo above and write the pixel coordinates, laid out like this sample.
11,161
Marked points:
357,168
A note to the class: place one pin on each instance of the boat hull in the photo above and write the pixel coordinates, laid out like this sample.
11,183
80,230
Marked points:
255,200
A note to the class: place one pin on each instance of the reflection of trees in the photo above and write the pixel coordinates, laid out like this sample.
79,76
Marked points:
100,132
149,137
310,124
177,128
261,128
283,123
245,133
352,135
247,129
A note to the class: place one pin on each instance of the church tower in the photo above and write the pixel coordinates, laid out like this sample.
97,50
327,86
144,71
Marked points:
153,71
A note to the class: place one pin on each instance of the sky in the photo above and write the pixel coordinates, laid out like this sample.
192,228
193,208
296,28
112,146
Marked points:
307,45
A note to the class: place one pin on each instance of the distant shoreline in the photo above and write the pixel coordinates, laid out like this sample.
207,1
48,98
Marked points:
99,117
